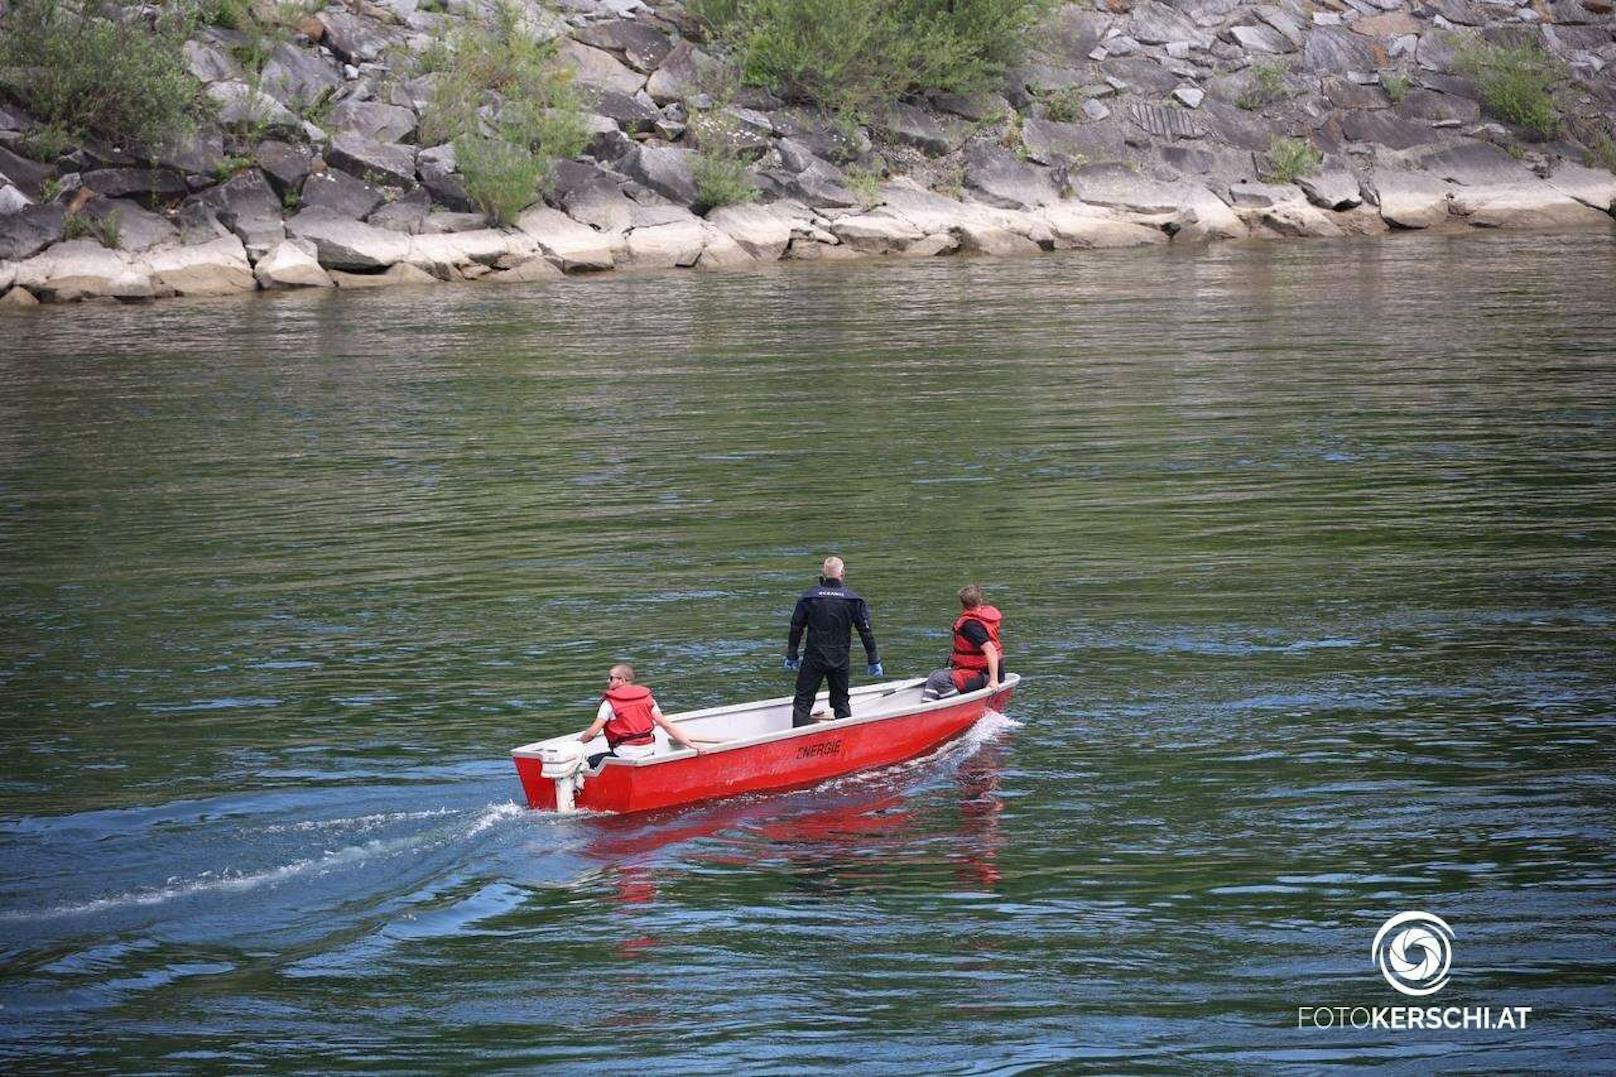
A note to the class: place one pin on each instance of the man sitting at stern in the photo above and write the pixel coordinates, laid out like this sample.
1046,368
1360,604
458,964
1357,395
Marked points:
978,658
629,715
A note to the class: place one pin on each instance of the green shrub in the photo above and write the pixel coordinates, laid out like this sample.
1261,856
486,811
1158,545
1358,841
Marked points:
120,77
1064,105
1266,85
1601,152
722,179
1516,83
509,158
1289,158
865,185
1396,84
501,177
857,55
48,141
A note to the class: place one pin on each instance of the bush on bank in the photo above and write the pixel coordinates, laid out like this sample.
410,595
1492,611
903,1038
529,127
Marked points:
509,108
1516,83
853,56
113,72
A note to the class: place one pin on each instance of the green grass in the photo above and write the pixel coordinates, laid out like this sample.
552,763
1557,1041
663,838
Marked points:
722,179
113,75
47,142
854,56
1064,105
1601,152
1266,85
509,160
1289,158
105,231
1396,84
865,184
1516,83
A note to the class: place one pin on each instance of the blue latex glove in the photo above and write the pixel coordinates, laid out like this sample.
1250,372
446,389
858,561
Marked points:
874,670
791,665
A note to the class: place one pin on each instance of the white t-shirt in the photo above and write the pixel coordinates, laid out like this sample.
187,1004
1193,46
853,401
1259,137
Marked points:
624,751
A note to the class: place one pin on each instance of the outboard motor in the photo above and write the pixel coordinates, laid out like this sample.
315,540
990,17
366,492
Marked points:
563,764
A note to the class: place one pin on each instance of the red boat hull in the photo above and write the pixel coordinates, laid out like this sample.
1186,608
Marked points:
789,763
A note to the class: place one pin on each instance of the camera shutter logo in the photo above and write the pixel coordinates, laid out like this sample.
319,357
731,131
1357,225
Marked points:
1414,950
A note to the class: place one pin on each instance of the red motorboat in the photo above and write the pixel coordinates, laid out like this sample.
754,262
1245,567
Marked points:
752,747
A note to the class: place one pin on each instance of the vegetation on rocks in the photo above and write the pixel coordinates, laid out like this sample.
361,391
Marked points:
1516,83
509,108
120,76
853,56
1267,85
1291,158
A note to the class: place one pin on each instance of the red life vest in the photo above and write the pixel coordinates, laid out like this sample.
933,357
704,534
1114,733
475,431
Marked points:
968,659
631,721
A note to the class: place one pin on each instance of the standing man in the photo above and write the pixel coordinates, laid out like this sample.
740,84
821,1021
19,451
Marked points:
829,611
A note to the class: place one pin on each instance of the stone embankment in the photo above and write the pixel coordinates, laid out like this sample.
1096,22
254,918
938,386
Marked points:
1134,122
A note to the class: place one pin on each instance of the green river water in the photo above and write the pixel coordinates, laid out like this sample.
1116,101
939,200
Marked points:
1306,554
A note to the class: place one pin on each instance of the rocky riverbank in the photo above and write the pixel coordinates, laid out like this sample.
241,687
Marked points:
1133,122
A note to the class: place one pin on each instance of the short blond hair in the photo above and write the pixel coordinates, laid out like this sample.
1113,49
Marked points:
832,568
970,596
623,670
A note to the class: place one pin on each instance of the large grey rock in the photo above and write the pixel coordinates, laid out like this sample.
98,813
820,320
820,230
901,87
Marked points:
599,70
446,254
1283,21
1155,23
873,234
1192,208
198,223
407,214
12,200
1409,199
1431,107
249,209
437,171
286,165
152,185
818,183
600,205
904,123
575,246
978,238
378,162
25,233
241,108
442,222
348,244
763,234
1477,164
372,119
666,246
298,77
1082,227
1591,186
1263,39
681,74
29,176
999,178
1384,127
1333,51
209,63
291,264
1300,219
138,229
83,269
629,113
392,277
357,40
664,169
1251,194
1334,189
641,46
216,268
342,194
1049,142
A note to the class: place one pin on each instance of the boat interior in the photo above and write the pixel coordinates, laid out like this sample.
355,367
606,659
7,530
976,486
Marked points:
741,724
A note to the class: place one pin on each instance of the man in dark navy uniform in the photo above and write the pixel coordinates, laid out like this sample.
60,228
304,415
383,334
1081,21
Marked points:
829,612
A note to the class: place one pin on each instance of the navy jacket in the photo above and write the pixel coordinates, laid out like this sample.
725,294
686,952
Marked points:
830,612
